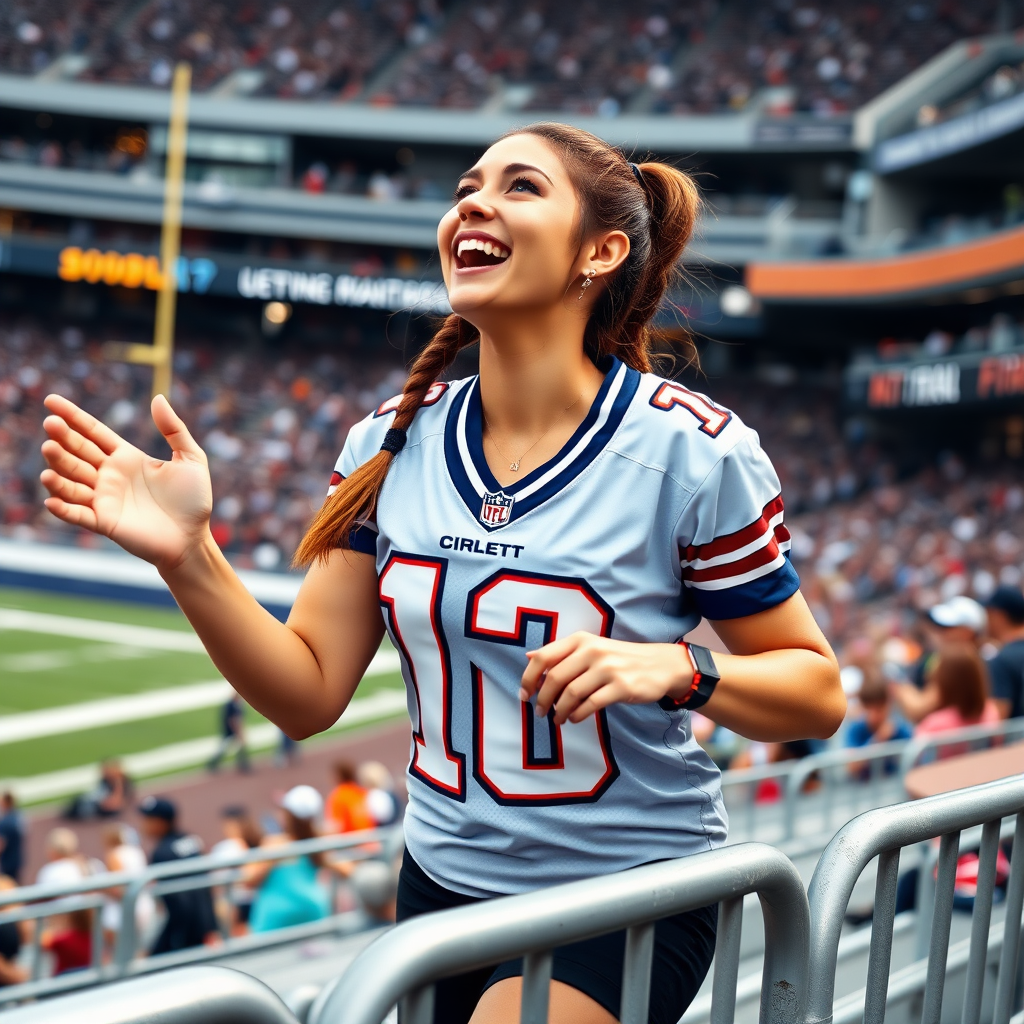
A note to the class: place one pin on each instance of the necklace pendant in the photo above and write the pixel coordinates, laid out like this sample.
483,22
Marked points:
513,467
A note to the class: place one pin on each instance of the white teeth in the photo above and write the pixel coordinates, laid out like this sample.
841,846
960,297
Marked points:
490,248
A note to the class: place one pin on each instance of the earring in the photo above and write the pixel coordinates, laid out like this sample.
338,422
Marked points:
589,278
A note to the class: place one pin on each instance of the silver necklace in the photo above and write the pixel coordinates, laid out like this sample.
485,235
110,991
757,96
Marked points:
514,464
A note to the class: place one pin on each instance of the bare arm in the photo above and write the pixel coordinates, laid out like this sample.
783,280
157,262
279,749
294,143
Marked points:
780,681
301,675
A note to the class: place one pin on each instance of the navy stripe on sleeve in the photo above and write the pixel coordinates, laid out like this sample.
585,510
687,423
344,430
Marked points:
749,598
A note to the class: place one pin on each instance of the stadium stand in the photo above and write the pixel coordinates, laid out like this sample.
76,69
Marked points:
719,55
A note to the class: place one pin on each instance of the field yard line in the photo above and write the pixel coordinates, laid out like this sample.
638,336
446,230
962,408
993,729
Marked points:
107,632
175,756
29,725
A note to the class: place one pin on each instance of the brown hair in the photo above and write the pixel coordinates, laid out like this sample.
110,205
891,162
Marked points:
874,691
960,678
657,208
302,828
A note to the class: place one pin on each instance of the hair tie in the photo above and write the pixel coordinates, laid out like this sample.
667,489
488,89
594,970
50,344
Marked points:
394,440
637,173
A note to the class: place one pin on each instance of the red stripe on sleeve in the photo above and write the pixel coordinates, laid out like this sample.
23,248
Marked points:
737,568
739,539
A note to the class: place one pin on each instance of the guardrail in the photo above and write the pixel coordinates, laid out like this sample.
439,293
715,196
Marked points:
883,833
838,791
405,962
37,902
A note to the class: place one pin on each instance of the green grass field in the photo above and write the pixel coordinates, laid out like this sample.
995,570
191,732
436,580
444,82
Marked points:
42,670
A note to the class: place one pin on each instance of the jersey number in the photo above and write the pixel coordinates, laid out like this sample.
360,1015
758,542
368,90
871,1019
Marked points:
712,419
578,765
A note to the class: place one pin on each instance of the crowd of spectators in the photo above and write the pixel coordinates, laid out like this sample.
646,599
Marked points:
825,56
259,896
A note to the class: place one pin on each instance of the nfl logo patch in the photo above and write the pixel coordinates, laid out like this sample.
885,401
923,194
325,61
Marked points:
496,509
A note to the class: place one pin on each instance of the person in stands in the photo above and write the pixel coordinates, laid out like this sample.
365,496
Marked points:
13,935
878,722
961,685
111,795
346,804
63,862
288,890
70,941
958,621
1005,610
122,853
190,917
241,834
232,731
12,838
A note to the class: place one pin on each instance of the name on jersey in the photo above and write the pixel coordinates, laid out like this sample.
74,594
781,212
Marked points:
474,547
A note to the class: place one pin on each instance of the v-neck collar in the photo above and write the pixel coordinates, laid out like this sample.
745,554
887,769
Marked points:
495,506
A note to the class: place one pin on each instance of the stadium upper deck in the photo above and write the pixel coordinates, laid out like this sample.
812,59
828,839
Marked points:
714,55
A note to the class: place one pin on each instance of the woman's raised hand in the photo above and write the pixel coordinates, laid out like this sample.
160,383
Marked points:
154,509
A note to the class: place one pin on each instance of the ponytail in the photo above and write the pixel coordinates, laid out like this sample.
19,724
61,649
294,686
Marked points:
354,502
657,207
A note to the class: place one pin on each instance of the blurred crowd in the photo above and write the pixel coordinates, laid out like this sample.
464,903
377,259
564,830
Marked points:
249,895
825,56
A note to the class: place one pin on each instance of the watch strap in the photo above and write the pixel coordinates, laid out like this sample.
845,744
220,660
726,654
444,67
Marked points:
705,679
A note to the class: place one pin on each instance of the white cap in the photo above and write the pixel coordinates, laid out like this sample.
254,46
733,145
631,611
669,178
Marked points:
304,802
960,611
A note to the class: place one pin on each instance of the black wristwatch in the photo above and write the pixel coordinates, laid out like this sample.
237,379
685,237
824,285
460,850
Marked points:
705,679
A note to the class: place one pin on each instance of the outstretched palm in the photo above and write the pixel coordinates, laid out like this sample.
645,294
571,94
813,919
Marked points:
154,509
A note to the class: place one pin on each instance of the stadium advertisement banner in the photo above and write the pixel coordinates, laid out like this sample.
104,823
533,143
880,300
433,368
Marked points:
226,275
977,378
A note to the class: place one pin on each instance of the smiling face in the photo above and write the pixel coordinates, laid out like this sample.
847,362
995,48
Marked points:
511,239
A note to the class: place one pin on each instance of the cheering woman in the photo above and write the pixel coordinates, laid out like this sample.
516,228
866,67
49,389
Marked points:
536,540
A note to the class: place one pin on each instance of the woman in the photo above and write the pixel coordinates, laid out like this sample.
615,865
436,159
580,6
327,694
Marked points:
961,685
123,853
539,537
288,892
241,834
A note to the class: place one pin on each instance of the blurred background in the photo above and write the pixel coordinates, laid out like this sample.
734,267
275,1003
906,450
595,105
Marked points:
855,290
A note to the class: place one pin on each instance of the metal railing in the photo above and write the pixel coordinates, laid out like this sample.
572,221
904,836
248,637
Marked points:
406,961
883,833
189,995
800,816
38,902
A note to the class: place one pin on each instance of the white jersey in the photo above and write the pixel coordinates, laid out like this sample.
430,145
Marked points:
660,508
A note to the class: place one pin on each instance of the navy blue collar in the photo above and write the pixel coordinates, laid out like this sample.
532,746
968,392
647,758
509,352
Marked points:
494,506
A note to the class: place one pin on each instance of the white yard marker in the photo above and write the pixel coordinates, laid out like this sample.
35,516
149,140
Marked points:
29,725
105,632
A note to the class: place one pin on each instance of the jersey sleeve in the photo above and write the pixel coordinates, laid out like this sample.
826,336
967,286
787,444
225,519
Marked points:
358,449
732,544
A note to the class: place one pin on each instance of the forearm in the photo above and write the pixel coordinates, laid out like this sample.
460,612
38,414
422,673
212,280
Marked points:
778,695
266,661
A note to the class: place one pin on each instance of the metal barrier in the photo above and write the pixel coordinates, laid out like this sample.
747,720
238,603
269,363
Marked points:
189,995
800,815
883,833
406,961
41,901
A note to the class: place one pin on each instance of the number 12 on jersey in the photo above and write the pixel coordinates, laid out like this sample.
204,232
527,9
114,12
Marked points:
578,766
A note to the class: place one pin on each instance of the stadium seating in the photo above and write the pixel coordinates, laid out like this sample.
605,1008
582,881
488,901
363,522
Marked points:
717,55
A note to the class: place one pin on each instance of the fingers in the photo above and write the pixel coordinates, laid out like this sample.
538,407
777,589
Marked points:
67,465
562,676
544,659
76,515
601,697
88,426
170,424
72,441
67,490
573,696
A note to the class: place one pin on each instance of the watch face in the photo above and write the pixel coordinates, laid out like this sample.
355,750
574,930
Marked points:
705,662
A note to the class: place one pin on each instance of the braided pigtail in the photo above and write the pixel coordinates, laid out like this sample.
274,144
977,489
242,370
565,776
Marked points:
355,500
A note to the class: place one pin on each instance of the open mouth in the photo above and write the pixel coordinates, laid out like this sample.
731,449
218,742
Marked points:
471,253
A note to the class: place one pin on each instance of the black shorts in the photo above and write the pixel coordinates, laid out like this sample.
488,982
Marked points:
683,948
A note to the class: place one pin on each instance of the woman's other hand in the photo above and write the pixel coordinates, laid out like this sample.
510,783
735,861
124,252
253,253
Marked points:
155,509
583,673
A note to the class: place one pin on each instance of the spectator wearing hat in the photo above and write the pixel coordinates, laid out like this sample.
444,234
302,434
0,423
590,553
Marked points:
1005,609
190,917
960,620
289,892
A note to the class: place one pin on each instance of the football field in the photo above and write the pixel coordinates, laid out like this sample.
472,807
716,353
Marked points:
82,679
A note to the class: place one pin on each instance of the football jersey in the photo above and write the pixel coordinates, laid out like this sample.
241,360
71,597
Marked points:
660,508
